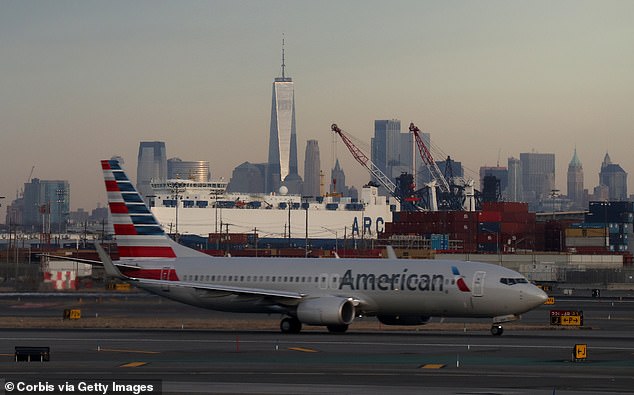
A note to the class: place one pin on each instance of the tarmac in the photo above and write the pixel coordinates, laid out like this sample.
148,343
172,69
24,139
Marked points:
199,351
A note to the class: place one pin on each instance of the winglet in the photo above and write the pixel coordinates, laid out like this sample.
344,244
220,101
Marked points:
109,267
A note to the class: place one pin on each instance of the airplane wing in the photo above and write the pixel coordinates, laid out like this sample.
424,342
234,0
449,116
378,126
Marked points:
82,260
73,259
113,271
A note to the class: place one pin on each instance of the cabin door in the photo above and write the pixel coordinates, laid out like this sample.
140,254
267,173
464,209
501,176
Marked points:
478,284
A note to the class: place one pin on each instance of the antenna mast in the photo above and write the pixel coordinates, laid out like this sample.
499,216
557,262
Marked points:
283,65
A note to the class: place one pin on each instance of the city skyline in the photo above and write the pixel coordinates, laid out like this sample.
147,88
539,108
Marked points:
488,80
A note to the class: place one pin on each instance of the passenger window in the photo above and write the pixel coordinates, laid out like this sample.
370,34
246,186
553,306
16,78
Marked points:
285,279
290,279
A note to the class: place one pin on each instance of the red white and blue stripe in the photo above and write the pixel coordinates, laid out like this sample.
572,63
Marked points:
138,233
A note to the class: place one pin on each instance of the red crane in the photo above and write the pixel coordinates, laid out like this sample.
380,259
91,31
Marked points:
435,172
363,159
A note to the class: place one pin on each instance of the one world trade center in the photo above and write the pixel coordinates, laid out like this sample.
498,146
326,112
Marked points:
282,163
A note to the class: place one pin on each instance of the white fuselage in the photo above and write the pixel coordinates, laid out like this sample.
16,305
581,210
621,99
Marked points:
394,287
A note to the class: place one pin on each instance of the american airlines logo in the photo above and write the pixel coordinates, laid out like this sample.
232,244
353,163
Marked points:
459,280
392,281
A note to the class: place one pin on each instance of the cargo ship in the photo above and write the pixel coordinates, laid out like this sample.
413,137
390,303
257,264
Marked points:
201,208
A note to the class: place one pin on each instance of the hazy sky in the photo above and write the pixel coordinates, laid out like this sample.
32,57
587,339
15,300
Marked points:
85,80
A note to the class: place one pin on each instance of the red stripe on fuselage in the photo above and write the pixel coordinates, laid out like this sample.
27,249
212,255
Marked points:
124,229
153,274
462,285
146,252
105,165
118,208
111,186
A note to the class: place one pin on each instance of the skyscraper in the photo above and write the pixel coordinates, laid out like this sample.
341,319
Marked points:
247,178
575,181
614,177
312,166
538,176
338,180
152,165
514,191
499,172
283,137
188,170
386,145
46,201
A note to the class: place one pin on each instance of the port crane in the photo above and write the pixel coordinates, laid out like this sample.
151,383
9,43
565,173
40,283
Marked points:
402,190
450,195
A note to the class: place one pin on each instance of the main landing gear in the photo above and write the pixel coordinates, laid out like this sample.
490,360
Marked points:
497,330
337,328
293,325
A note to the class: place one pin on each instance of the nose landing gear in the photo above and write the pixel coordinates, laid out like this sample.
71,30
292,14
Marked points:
497,330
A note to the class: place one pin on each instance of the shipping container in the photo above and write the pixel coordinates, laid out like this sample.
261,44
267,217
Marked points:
488,247
490,216
585,241
489,227
589,232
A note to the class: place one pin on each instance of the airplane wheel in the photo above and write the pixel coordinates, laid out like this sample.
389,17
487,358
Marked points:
497,330
337,328
290,325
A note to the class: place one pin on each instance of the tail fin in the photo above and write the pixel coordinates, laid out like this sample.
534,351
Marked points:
139,234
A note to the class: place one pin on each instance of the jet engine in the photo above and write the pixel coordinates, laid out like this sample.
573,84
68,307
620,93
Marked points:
403,319
326,311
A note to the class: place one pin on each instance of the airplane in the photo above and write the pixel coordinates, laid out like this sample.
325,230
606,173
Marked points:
326,292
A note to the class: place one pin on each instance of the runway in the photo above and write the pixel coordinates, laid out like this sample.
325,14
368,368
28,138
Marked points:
535,360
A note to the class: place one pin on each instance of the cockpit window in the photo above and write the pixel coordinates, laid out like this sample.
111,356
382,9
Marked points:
513,281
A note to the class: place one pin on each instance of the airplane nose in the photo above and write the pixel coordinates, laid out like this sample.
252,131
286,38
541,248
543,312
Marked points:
535,296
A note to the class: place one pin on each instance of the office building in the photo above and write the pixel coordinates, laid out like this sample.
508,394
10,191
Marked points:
247,178
386,147
197,170
538,176
152,165
46,205
312,167
499,172
282,160
575,182
614,177
338,180
514,190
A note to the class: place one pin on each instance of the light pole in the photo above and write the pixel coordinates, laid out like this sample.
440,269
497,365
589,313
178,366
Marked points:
306,240
289,223
336,237
497,242
553,194
216,193
176,191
